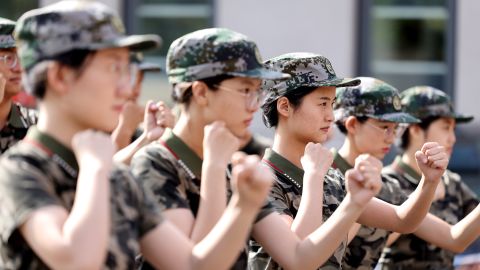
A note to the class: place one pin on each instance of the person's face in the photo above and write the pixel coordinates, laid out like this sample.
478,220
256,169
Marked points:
234,102
442,131
10,68
374,137
96,97
312,119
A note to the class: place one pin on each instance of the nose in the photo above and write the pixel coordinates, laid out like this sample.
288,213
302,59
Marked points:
329,115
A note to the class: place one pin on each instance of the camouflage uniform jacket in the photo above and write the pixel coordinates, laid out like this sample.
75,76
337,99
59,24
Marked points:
286,194
171,170
364,251
411,252
40,172
19,120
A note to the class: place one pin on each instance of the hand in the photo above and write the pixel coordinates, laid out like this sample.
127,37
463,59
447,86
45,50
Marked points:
219,143
316,158
251,180
131,116
364,181
93,148
432,160
157,117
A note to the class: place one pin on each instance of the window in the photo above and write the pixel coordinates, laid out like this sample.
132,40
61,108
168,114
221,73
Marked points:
408,42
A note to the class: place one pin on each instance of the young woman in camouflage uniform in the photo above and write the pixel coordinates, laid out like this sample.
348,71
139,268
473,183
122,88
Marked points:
63,204
369,115
15,119
216,76
301,111
453,200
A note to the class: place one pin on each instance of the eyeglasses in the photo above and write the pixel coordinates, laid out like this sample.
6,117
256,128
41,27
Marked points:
10,60
252,98
396,131
124,73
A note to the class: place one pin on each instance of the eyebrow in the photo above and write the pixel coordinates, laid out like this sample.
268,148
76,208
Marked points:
327,98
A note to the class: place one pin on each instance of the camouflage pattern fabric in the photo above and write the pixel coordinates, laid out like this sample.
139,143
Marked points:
411,252
285,196
172,171
426,101
47,32
19,120
305,69
364,251
6,34
215,51
372,98
40,172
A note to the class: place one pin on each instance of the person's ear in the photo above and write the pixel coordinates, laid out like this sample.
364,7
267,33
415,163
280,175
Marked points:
59,77
199,93
284,108
351,124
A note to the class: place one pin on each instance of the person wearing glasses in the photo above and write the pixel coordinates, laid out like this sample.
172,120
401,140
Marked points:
63,203
371,116
15,119
454,199
301,110
216,75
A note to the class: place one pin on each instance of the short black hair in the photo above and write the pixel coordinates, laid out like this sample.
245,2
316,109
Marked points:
35,78
343,129
295,97
424,125
186,95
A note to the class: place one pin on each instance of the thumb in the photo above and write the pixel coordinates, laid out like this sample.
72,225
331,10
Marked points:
354,175
421,157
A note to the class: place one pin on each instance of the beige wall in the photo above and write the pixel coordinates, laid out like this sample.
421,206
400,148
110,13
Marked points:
467,53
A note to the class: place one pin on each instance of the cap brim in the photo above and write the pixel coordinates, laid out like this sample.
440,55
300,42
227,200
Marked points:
460,118
261,73
149,67
139,42
399,117
336,82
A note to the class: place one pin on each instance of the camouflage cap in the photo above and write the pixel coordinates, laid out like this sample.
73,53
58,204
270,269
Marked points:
138,59
305,69
73,24
425,101
372,98
212,52
6,34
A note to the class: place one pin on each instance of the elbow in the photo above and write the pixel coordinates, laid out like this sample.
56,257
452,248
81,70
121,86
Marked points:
406,229
456,248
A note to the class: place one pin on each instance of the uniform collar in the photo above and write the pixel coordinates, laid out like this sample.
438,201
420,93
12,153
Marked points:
15,118
339,162
182,152
54,148
283,166
408,172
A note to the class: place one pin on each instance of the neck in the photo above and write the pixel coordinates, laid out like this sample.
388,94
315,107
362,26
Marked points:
408,158
348,152
288,146
190,130
57,124
5,107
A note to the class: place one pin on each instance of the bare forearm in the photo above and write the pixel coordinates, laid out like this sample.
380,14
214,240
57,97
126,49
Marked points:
310,212
412,212
227,237
126,154
454,238
320,245
122,136
213,199
87,228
